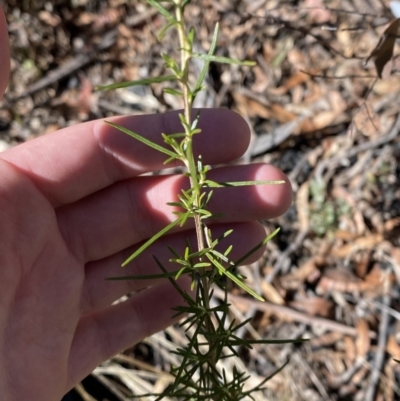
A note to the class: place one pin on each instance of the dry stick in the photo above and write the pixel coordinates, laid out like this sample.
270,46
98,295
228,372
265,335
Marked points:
382,340
75,64
293,314
81,60
138,19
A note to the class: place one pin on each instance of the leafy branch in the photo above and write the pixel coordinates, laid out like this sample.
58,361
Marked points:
199,376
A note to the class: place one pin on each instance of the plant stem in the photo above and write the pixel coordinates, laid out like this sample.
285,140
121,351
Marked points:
185,51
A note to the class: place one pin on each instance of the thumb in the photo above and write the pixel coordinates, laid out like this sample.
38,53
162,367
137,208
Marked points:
5,54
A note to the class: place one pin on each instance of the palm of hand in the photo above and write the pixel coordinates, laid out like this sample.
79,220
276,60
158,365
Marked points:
41,285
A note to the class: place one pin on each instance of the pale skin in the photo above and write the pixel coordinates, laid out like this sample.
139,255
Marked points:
72,208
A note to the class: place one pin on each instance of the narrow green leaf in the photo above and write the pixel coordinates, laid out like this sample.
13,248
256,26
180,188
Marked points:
143,277
221,237
199,254
173,92
206,65
185,216
221,256
183,121
144,140
258,387
257,247
228,250
164,30
214,184
204,213
194,128
176,135
209,195
171,142
171,63
145,81
172,250
153,239
180,262
170,159
233,278
162,11
191,36
202,264
224,60
178,204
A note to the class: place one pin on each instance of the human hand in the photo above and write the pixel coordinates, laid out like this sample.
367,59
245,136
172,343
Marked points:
72,207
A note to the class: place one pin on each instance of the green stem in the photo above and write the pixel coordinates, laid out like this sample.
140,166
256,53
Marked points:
186,52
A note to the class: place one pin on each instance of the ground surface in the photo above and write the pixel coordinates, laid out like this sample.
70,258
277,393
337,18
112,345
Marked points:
317,111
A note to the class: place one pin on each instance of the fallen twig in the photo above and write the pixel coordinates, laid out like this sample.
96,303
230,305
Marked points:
293,314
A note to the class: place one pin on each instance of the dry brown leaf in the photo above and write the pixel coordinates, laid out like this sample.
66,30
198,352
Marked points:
299,276
48,18
281,114
367,242
340,280
85,18
107,18
362,340
337,102
313,94
250,107
359,377
344,38
392,224
367,121
387,86
317,12
392,347
383,51
327,339
271,294
302,206
324,119
350,348
315,306
345,235
389,388
298,94
294,80
374,278
261,81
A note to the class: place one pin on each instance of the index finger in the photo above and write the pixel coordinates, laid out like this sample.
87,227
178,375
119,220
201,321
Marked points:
77,161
